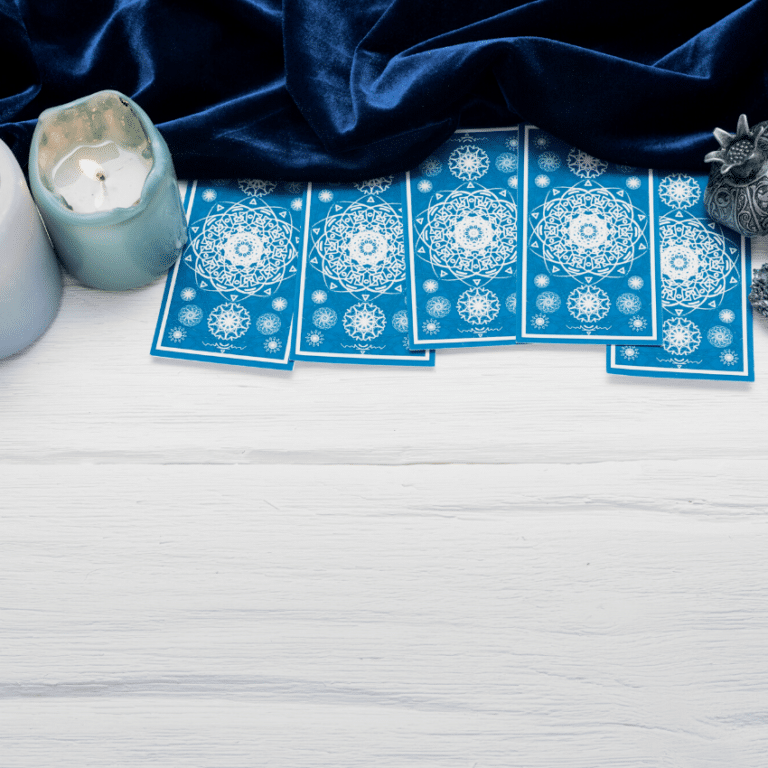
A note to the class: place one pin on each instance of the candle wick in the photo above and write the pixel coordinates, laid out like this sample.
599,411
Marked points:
100,176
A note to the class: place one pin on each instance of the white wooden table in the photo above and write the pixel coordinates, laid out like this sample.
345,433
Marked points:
512,559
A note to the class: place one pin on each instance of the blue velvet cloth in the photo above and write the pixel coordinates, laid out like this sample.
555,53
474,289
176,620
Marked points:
328,89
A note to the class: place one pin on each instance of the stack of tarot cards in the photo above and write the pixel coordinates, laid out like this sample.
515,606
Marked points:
502,236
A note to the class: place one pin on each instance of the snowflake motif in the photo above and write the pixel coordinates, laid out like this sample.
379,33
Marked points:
296,204
431,327
294,187
325,195
279,303
209,195
190,315
177,335
468,163
273,345
512,182
511,142
633,182
729,357
406,343
541,141
696,269
246,248
361,249
541,281
584,165
588,303
548,302
324,318
229,321
400,321
679,190
314,338
430,286
364,321
681,336
588,233
627,169
637,323
438,306
375,186
478,305
727,316
629,353
541,181
539,322
187,294
268,324
628,303
549,161
635,282
506,162
319,297
719,336
511,303
256,187
431,167
471,234
424,186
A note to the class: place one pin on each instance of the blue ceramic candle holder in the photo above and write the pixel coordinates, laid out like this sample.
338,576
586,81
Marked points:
103,179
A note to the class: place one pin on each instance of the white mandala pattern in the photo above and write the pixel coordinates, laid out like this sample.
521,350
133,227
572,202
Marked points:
430,286
588,303
424,186
678,190
375,186
541,281
314,338
279,303
209,195
696,269
506,162
512,182
635,282
244,248
319,297
187,294
297,204
364,321
177,335
719,336
727,316
584,165
541,141
478,305
470,234
681,336
548,302
257,187
273,345
324,318
628,303
637,323
268,324
438,306
400,321
511,142
549,161
629,353
431,167
539,322
325,195
588,233
511,303
729,357
229,321
633,182
360,249
190,315
541,181
468,163
431,327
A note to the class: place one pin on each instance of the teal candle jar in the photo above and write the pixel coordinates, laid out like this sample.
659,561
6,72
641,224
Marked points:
30,278
103,179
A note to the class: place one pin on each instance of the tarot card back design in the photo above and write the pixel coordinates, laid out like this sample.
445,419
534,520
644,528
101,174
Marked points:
705,271
461,215
231,297
588,271
352,299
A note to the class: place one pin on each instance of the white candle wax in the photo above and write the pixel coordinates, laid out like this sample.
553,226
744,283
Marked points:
101,177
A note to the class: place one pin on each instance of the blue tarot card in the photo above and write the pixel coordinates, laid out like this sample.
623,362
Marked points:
461,221
231,298
588,269
706,274
352,298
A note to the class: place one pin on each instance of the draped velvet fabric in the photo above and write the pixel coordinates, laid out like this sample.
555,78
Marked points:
335,90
